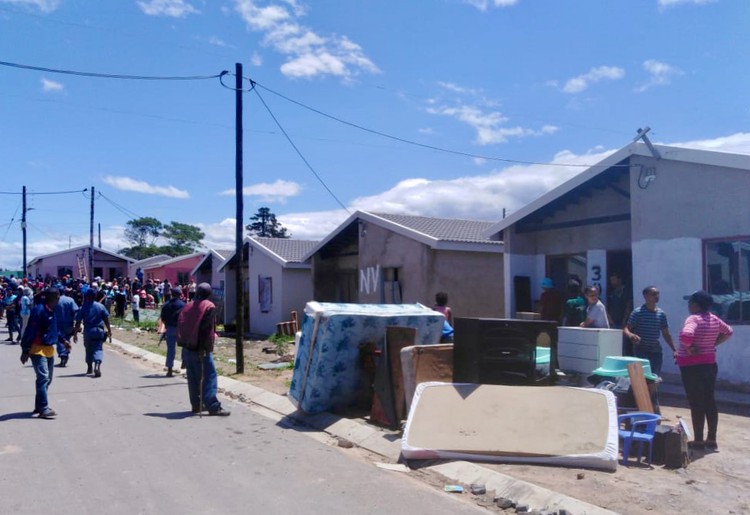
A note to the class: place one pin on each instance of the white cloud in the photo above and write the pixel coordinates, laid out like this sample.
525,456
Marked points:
660,74
596,74
670,3
130,184
171,8
256,59
483,5
488,125
51,86
217,41
46,6
308,53
278,191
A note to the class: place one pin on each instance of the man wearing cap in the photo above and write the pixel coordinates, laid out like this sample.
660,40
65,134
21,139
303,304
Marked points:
65,311
702,333
95,319
38,343
170,313
196,335
644,326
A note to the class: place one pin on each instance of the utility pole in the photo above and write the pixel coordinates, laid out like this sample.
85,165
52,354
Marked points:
99,226
23,230
91,238
238,285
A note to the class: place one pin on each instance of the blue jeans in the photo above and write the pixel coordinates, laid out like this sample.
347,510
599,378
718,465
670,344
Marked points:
656,358
171,335
193,362
43,368
94,350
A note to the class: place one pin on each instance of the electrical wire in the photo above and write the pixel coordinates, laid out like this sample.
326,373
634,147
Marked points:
309,166
416,143
29,193
111,75
120,208
12,218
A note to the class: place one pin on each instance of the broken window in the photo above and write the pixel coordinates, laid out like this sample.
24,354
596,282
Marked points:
727,277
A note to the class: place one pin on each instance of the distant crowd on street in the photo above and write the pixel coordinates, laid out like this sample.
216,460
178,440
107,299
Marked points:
45,314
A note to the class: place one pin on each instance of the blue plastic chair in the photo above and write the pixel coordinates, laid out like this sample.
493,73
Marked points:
639,427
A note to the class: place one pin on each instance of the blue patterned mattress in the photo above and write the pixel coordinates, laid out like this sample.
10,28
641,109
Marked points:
327,369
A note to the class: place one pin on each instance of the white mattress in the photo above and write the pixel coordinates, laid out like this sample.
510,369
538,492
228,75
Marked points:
553,425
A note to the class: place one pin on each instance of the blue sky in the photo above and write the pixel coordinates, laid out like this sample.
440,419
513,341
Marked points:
538,82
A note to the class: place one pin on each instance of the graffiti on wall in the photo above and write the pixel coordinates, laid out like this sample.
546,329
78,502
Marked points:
369,279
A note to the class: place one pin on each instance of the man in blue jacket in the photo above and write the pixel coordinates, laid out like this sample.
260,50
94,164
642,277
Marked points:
38,343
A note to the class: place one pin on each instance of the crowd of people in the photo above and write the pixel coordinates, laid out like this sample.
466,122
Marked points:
46,315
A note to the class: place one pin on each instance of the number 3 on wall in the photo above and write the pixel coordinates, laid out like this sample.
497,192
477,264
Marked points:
596,273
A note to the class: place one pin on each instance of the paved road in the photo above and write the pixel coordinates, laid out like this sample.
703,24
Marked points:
126,443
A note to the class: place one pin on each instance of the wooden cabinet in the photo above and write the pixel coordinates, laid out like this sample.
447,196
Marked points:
582,349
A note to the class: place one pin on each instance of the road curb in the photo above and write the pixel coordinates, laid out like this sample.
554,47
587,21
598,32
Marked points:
384,444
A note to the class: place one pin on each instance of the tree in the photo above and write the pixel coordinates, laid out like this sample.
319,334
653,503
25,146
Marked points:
181,238
265,225
139,252
142,232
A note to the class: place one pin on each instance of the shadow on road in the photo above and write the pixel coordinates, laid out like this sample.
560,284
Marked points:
176,415
17,415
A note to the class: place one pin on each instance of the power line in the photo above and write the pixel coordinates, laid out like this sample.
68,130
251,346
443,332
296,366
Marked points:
110,75
309,166
120,208
416,143
12,218
42,192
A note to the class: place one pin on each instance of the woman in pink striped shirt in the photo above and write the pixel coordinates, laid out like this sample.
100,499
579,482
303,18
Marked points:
696,356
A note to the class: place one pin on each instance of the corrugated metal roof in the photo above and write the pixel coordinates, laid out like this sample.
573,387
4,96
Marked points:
287,249
446,229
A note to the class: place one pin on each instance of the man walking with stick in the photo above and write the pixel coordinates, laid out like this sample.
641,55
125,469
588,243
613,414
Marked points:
196,333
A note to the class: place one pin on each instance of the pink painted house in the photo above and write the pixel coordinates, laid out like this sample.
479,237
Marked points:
176,270
75,262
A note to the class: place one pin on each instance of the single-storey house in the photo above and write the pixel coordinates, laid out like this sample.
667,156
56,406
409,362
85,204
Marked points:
141,263
176,270
208,270
277,282
75,262
386,258
677,218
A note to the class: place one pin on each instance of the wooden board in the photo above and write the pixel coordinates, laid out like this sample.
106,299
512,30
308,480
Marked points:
396,339
640,388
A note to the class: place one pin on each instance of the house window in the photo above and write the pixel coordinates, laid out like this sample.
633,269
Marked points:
64,270
265,293
727,277
183,278
391,286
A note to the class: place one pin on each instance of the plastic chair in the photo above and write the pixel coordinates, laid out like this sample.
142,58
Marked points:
639,427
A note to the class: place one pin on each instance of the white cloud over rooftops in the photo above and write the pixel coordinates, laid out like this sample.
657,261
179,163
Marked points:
45,6
50,86
277,191
483,5
660,74
171,8
130,184
594,75
671,3
308,53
